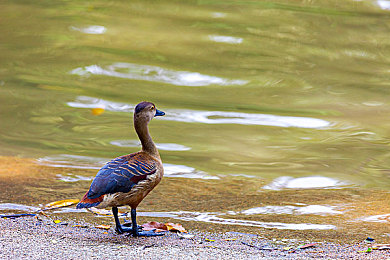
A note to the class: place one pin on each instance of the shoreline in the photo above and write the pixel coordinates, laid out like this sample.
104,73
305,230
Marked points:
40,238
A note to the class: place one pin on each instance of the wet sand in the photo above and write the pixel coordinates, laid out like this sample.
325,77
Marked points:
30,238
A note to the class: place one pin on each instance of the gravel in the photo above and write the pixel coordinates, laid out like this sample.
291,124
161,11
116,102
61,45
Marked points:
40,238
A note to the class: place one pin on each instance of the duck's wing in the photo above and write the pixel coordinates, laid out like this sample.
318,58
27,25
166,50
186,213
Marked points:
121,174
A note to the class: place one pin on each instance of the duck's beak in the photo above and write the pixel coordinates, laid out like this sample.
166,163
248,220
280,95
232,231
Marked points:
159,113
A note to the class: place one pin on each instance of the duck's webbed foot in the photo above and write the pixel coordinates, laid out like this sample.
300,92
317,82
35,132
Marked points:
120,229
127,227
150,233
136,232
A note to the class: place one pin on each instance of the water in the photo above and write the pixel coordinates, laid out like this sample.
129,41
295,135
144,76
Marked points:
293,93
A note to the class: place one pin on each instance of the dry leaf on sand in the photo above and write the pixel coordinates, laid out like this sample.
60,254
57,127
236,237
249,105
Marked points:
60,204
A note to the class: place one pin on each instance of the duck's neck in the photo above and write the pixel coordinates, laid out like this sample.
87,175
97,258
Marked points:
148,145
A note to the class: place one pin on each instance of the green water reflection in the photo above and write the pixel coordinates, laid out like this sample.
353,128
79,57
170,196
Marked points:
325,60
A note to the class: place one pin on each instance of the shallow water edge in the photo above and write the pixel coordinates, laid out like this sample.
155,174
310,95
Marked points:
236,204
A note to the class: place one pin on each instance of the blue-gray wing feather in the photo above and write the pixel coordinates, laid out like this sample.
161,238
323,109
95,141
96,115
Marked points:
120,175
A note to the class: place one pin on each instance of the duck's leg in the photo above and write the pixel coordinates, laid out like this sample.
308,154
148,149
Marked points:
120,229
136,232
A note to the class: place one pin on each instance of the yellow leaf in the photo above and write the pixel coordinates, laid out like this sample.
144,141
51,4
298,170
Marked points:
81,226
230,239
57,221
175,227
60,204
209,240
106,227
97,111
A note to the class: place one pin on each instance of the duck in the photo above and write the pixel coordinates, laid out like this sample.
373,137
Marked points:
128,179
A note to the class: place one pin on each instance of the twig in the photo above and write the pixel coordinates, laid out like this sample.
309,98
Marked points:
17,215
257,247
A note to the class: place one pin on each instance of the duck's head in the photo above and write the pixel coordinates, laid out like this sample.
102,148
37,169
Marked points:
145,111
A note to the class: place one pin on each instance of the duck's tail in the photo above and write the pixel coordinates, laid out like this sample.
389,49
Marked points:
87,202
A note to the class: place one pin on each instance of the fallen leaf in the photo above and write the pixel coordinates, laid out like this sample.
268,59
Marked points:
209,240
153,225
306,246
106,227
60,204
81,226
175,227
230,239
160,227
97,111
288,248
57,221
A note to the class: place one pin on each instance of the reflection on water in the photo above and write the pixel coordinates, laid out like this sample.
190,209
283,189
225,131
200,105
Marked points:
384,4
377,218
173,170
160,146
73,161
87,162
310,209
73,177
156,74
218,15
214,218
93,29
208,117
225,39
312,182
221,117
18,207
90,102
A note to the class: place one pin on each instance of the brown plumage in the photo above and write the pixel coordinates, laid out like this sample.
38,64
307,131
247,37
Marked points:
126,180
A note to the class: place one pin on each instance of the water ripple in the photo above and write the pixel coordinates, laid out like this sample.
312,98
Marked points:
208,117
377,218
311,182
87,162
310,209
225,39
213,218
384,4
160,146
93,29
155,74
20,207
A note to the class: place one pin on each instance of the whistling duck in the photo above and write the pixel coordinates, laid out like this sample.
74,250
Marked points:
127,180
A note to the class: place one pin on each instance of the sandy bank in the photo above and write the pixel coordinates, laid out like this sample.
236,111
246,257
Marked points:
30,238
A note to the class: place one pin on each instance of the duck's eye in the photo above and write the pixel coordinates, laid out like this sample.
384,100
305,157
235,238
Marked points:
152,108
